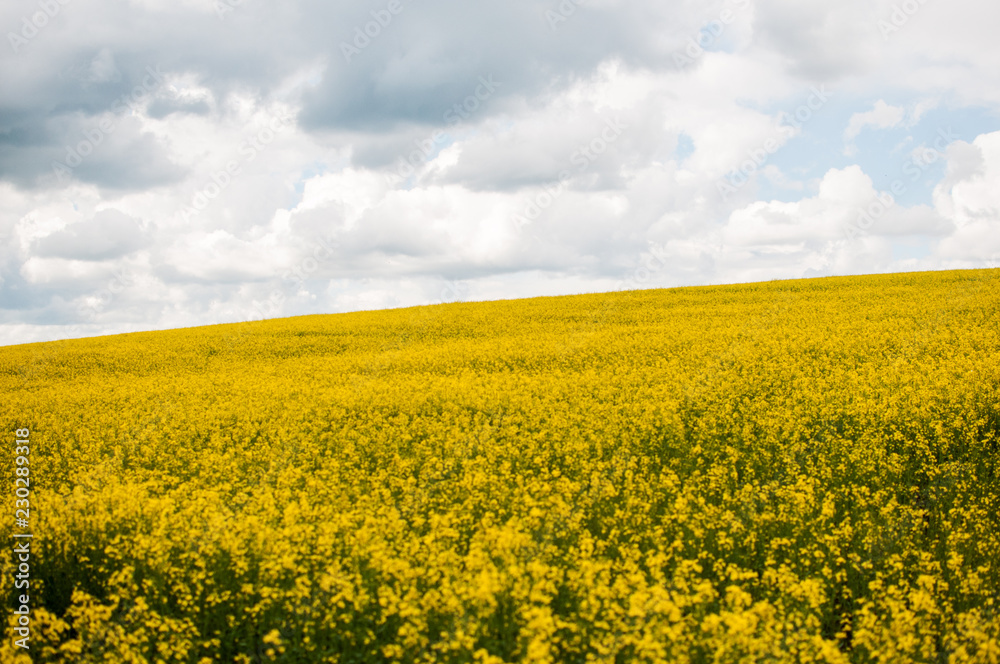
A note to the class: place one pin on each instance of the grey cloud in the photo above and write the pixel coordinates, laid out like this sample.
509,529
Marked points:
822,41
430,56
362,116
80,148
161,108
109,234
592,148
918,220
433,51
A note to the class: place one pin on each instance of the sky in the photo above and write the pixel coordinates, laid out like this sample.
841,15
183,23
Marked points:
171,163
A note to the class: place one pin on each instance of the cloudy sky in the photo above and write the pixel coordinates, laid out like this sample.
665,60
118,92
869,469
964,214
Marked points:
168,163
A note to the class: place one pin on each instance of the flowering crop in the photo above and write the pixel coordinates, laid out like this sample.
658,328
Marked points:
791,471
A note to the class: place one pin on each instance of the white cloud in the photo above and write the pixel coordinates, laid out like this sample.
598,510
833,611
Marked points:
109,234
810,221
882,116
325,176
970,196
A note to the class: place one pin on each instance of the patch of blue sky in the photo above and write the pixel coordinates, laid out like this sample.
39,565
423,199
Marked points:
684,149
816,147
445,141
711,42
314,169
887,155
912,157
911,248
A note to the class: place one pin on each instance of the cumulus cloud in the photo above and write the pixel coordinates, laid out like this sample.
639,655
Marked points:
821,41
882,116
846,205
970,196
109,234
295,157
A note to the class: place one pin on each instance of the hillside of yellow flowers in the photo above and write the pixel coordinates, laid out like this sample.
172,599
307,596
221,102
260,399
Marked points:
792,471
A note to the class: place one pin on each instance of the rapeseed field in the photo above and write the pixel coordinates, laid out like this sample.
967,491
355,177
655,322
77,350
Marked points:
796,471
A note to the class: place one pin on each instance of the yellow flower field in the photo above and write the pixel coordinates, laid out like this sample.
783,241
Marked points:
792,471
